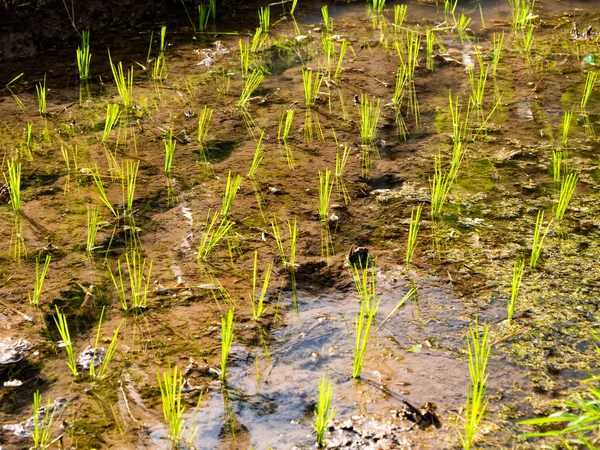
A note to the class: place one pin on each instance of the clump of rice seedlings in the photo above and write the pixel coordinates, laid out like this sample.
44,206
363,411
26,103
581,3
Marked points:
369,118
244,57
525,39
63,329
205,12
108,354
516,285
226,341
258,156
557,156
325,189
283,132
399,92
231,188
12,178
327,20
124,86
40,90
399,15
461,25
159,68
522,12
497,42
252,83
213,234
258,40
478,86
288,263
92,228
170,145
567,187
460,127
538,239
139,281
329,51
440,186
40,277
412,46
365,282
204,119
376,5
590,82
128,184
258,306
341,158
311,89
413,231
264,18
343,48
478,349
84,56
588,126
171,393
324,412
43,420
567,118
112,117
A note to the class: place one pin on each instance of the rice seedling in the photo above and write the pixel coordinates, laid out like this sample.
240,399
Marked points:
479,350
40,90
171,393
413,231
324,412
461,25
288,263
522,12
29,138
497,43
264,18
92,228
341,158
588,88
124,86
12,178
283,132
325,189
376,5
204,119
430,40
527,38
258,40
203,16
231,188
327,20
84,56
450,8
566,126
459,128
213,234
226,341
399,15
567,187
128,184
369,118
328,52
43,420
14,96
63,329
311,89
258,306
557,156
244,57
440,186
258,156
538,239
139,281
588,126
112,117
40,277
365,282
478,86
293,8
65,155
252,83
517,277
170,145
343,48
159,68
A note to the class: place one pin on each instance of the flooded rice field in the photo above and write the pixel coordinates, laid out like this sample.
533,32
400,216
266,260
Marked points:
346,225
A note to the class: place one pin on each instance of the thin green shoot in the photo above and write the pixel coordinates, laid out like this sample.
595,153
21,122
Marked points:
170,145
285,124
244,56
213,234
124,86
538,239
497,43
293,8
343,48
325,189
251,84
365,281
231,189
204,119
13,182
311,89
65,155
159,68
258,156
92,228
40,90
440,187
567,188
84,56
413,231
258,40
341,158
517,277
324,412
112,117
128,183
258,306
522,12
411,293
63,329
29,137
478,85
588,88
557,157
527,38
40,277
399,15
171,396
369,118
14,96
376,5
327,20
43,420
566,126
226,341
430,40
264,18
460,126
203,16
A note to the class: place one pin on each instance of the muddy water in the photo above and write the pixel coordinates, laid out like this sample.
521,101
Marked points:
462,264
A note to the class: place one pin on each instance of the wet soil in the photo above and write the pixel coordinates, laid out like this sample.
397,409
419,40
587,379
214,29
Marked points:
462,266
